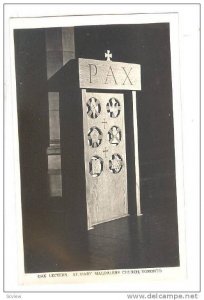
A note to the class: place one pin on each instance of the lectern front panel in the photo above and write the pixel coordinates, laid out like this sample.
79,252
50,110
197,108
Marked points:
105,157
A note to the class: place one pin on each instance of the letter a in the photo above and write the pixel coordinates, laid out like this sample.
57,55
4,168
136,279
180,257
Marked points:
110,73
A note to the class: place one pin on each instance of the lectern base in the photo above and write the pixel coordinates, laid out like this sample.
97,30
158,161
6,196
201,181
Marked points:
116,218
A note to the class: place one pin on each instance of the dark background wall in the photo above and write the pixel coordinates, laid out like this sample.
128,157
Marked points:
33,122
147,45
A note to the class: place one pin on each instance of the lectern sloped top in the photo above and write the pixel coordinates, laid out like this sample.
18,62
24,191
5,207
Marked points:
97,74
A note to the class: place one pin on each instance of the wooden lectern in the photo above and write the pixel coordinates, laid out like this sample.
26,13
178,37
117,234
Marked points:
93,138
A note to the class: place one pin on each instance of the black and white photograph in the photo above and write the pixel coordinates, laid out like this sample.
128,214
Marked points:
96,142
98,148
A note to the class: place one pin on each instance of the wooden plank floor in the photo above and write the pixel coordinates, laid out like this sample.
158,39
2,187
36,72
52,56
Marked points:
130,242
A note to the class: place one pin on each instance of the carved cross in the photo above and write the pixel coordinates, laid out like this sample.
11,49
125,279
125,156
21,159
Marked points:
104,122
105,151
108,55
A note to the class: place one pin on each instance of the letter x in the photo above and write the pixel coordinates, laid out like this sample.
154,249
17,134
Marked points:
127,75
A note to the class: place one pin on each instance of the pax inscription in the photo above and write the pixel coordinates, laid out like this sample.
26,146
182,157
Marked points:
109,75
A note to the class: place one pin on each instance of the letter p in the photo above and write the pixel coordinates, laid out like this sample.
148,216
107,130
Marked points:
92,71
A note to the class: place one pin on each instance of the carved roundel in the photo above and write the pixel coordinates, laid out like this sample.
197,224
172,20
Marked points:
93,107
114,135
115,163
95,166
94,137
113,107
